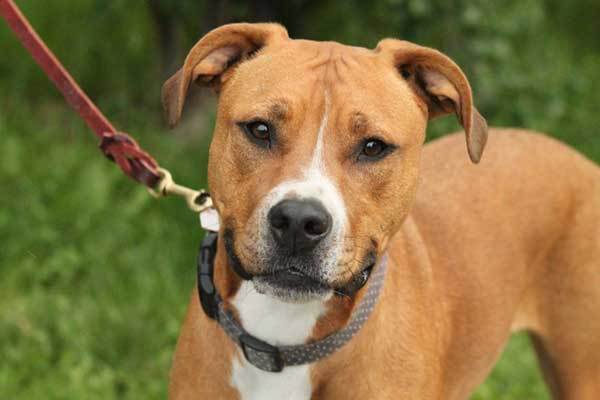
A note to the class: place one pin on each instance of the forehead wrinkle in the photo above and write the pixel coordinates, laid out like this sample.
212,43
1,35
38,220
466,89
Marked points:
324,55
339,67
315,60
318,62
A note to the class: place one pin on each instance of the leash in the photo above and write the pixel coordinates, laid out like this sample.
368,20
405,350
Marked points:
118,147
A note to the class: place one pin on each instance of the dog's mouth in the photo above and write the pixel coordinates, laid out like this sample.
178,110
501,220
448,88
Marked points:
291,284
294,284
292,279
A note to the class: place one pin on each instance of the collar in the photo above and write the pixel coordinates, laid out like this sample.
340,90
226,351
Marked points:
260,353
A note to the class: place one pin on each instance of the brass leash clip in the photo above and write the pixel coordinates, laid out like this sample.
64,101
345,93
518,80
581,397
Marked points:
197,200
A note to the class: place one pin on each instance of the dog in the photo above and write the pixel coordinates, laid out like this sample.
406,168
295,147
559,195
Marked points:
325,189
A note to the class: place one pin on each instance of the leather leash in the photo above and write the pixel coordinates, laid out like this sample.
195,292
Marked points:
118,147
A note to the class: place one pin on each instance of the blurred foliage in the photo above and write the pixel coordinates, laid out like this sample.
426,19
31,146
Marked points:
108,46
531,63
96,275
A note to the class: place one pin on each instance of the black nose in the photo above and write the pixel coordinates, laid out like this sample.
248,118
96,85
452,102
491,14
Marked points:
299,225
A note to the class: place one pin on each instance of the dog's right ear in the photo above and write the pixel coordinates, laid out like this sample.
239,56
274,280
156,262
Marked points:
212,56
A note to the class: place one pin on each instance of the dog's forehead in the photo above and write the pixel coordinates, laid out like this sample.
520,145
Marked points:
305,64
300,72
313,54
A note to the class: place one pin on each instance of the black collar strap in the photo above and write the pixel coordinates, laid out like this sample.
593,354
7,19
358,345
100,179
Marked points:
260,353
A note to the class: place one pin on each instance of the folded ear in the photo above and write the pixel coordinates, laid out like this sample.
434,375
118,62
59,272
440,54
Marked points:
212,56
441,84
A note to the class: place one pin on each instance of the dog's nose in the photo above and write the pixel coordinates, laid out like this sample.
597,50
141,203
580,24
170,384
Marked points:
299,225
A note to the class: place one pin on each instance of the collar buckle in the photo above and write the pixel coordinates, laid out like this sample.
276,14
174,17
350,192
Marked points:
261,354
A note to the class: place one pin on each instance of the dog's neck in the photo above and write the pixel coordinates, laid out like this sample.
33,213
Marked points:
276,322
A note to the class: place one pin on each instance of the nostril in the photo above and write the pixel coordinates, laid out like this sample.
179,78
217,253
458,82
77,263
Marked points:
280,222
315,227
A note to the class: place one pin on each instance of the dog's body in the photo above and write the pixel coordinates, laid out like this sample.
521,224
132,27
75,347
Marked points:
477,253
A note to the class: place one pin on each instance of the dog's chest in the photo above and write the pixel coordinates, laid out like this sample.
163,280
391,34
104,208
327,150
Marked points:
277,323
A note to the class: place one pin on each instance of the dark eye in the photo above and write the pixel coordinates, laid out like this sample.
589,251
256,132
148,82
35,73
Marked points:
373,149
258,131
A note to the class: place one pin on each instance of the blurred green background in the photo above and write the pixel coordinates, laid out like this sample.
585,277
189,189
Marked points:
95,275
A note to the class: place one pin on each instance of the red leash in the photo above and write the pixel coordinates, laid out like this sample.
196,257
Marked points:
117,146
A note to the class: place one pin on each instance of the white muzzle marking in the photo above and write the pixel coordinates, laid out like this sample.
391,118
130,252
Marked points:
314,184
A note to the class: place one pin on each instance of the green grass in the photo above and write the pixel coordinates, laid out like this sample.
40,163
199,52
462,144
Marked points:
96,274
516,376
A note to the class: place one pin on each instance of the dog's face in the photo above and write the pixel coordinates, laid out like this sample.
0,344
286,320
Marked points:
315,155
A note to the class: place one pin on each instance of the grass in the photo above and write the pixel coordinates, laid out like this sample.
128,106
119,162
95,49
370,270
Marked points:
96,274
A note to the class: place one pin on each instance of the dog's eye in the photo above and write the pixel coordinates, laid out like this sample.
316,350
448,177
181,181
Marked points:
258,131
374,149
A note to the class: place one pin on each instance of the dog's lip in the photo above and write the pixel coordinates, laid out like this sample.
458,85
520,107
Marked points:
292,278
296,272
357,281
295,279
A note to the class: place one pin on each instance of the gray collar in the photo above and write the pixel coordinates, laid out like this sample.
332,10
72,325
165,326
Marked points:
262,354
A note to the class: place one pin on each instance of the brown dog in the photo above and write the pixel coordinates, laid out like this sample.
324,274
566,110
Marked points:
317,169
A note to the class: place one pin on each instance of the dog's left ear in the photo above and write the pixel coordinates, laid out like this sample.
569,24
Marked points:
441,84
212,57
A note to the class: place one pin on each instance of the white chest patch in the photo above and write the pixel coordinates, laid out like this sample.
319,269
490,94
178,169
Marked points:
277,323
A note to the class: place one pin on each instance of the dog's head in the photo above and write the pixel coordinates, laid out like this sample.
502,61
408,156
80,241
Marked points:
315,156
